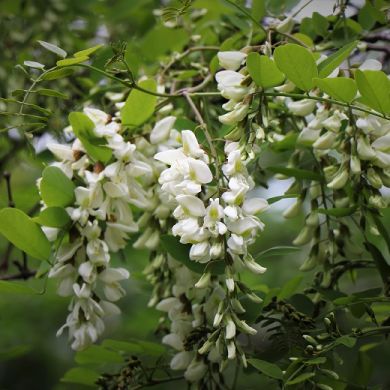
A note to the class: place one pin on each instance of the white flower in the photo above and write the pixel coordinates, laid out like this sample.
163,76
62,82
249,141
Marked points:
162,129
236,115
230,329
112,275
200,252
302,107
181,360
254,206
195,371
231,60
174,341
326,141
230,85
190,205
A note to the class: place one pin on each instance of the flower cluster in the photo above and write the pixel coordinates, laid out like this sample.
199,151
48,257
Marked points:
101,222
219,229
235,86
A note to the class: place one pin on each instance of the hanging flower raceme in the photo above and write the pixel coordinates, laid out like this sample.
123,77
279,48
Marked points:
219,229
101,223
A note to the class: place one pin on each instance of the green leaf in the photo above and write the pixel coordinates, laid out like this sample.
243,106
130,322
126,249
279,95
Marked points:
290,287
139,105
24,233
14,352
348,341
215,267
275,199
83,128
8,287
263,71
181,253
316,360
320,24
295,172
276,251
53,48
338,211
297,63
58,74
81,375
269,369
374,87
300,378
72,61
53,217
51,92
339,88
326,67
138,347
123,346
56,188
97,354
258,9
87,52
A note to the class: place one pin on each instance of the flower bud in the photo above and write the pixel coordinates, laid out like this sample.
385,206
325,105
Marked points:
237,307
310,263
235,134
302,107
204,281
293,210
374,178
205,347
230,330
259,131
231,348
377,201
235,116
326,141
253,266
307,136
312,219
230,284
216,250
231,60
195,371
364,149
315,190
329,373
244,327
355,164
340,180
304,236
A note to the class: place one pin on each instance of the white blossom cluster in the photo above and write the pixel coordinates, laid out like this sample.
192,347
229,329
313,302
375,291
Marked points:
218,228
234,85
102,220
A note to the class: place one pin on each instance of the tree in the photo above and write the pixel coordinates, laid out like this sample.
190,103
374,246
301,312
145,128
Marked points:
170,157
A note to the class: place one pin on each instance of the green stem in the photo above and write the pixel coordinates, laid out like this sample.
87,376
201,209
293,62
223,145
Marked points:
322,99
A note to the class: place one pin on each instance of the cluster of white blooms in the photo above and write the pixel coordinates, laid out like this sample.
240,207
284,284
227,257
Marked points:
234,85
101,222
219,228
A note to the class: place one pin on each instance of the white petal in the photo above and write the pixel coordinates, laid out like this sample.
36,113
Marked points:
231,60
170,156
254,206
191,205
162,129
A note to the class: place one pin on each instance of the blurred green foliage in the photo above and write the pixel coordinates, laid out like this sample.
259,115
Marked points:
31,357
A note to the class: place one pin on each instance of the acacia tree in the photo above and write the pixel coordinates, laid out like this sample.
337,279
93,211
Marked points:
172,164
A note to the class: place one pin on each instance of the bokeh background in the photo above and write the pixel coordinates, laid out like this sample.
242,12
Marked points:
31,356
